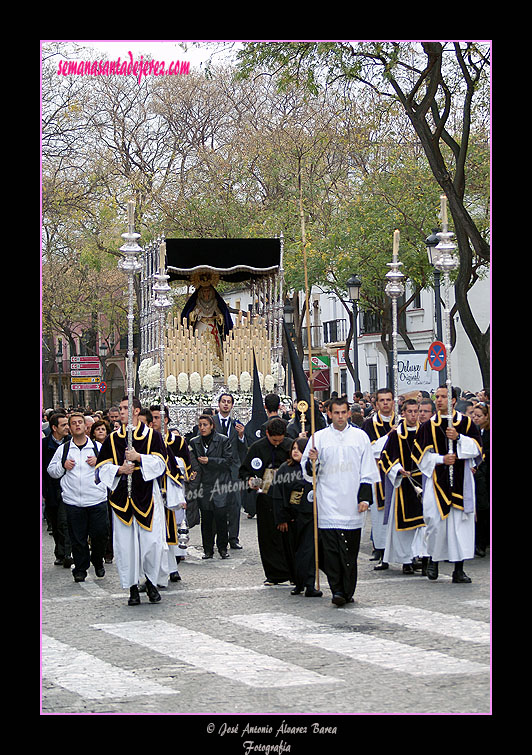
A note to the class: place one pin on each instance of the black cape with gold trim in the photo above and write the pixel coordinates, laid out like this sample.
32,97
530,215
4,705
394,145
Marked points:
176,446
398,450
113,451
376,427
431,437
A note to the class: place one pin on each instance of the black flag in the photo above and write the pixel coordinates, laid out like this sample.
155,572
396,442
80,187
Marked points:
258,412
298,373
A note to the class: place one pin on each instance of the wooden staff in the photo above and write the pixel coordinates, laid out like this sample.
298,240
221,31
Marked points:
311,383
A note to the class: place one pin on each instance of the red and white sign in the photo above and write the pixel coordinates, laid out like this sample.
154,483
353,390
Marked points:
85,359
85,373
85,387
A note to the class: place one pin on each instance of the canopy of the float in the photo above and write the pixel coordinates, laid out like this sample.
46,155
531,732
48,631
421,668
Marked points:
234,260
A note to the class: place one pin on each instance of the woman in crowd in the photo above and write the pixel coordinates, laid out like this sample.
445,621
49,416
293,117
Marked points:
481,417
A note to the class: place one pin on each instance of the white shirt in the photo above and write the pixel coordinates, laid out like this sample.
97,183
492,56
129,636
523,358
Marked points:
345,460
78,486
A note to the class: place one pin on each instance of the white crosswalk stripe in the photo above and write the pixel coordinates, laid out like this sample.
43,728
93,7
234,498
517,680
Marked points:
363,647
213,655
90,677
430,621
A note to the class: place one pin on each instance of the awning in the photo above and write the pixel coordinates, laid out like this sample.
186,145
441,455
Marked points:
321,379
234,260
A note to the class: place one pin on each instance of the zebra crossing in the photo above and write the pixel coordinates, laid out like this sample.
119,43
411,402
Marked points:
242,662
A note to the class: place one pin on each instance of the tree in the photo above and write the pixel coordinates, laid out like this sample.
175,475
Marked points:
442,89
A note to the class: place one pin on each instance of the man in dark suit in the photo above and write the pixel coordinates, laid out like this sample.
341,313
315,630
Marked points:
211,459
226,425
54,508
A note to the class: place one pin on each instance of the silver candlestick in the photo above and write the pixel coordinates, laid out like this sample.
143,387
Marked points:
394,289
161,303
446,263
130,265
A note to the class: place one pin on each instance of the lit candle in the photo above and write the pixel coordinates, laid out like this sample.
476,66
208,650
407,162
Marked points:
162,256
395,245
443,199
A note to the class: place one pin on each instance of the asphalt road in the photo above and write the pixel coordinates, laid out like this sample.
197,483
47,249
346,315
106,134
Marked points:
225,648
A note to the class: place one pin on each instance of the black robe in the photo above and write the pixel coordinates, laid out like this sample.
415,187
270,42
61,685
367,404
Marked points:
176,447
293,504
398,450
431,436
260,456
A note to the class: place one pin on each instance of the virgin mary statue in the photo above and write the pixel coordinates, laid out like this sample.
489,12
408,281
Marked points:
207,313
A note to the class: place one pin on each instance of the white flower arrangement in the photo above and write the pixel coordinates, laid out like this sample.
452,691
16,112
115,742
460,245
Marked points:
171,384
232,384
182,382
143,371
269,383
195,382
153,376
208,383
245,381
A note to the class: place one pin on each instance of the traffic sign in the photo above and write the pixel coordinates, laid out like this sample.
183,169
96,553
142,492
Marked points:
84,373
103,387
437,356
85,379
85,387
85,359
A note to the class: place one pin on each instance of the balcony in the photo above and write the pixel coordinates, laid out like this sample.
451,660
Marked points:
335,331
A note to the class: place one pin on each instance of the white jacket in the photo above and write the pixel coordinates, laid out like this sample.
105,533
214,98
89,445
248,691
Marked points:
78,486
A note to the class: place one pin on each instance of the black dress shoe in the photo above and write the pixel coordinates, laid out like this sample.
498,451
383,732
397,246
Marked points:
175,577
79,576
58,562
208,554
224,554
134,596
432,569
311,592
153,592
100,571
381,567
461,576
67,562
377,555
338,599
236,546
408,568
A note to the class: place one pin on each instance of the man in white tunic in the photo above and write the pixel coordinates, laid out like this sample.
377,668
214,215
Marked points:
377,427
403,508
345,472
448,506
139,531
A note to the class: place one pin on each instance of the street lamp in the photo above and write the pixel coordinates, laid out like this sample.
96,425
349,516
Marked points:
433,254
353,287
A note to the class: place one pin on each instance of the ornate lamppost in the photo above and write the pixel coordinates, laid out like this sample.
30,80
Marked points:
394,289
162,303
130,265
446,263
431,243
